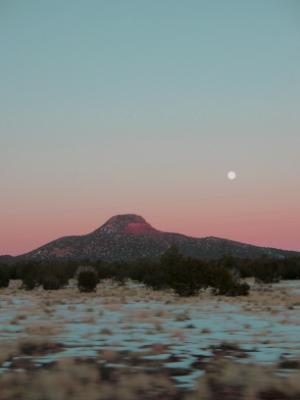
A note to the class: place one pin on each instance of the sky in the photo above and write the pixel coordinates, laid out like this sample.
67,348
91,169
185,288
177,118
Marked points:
112,107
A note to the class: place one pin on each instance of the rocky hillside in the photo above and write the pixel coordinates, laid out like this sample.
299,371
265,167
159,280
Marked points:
5,259
130,237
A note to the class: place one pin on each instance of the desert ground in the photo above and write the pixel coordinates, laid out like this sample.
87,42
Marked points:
130,342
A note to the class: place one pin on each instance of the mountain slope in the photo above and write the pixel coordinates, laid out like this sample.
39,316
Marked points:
6,259
130,237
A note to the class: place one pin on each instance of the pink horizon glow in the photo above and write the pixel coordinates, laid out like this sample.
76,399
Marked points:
26,234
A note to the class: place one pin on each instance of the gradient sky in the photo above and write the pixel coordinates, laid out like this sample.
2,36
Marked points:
136,106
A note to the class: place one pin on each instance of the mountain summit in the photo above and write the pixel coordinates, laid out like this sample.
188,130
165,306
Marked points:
126,224
129,237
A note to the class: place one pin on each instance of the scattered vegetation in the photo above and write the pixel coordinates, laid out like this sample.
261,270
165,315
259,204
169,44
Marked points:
87,279
77,379
4,277
51,282
186,276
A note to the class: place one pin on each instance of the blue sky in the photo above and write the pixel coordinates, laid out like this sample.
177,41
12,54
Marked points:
143,106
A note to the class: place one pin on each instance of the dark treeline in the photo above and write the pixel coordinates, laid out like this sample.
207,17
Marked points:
185,275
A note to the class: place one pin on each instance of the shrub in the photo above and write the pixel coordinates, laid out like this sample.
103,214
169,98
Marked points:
267,271
29,273
235,289
105,271
155,277
226,284
52,283
4,278
242,289
184,275
290,268
174,273
187,277
29,282
87,279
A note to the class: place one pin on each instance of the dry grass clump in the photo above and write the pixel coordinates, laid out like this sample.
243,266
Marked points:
205,331
17,319
184,316
15,351
230,381
71,380
42,329
109,356
95,379
38,347
7,350
15,284
85,379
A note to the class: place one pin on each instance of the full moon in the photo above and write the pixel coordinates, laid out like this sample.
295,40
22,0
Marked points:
231,175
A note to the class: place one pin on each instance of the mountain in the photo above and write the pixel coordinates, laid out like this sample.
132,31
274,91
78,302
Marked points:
130,237
6,259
